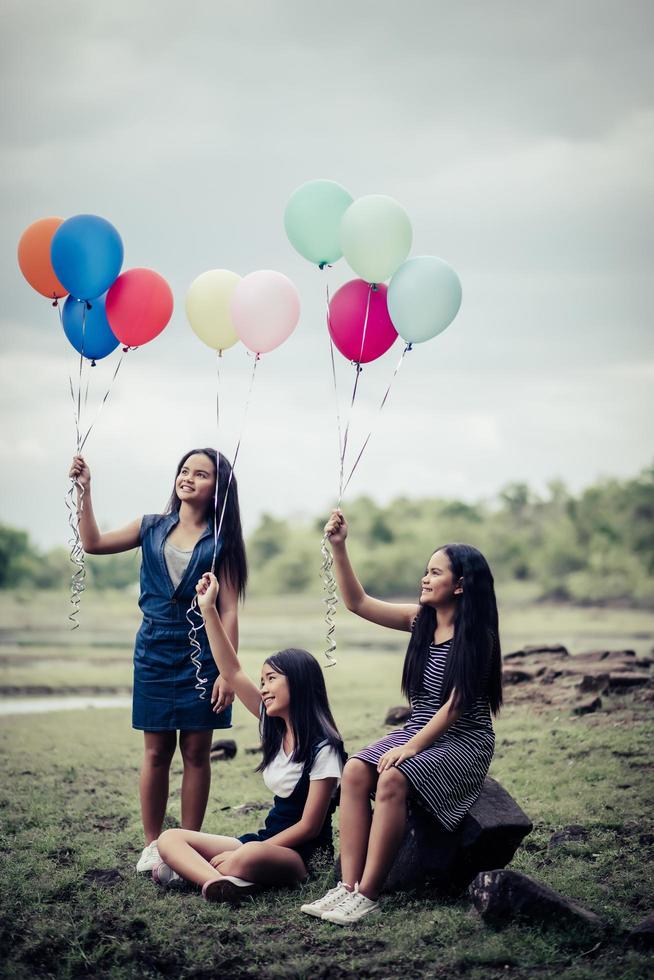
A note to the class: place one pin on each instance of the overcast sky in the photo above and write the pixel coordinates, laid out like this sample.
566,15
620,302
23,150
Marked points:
518,136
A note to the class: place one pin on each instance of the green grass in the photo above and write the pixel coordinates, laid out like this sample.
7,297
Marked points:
69,808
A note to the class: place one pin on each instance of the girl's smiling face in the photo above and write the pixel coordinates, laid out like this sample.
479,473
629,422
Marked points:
438,585
275,692
196,480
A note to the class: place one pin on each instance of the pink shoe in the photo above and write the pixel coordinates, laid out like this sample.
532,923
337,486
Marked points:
228,889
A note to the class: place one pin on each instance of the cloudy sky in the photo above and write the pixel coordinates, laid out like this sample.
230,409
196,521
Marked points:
518,136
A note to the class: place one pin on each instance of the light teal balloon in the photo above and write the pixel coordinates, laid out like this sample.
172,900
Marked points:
423,298
376,237
313,219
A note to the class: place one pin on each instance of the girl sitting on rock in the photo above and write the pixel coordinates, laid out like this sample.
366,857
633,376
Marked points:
453,678
302,763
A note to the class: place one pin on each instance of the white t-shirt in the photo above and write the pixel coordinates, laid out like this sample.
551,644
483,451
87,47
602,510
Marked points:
282,775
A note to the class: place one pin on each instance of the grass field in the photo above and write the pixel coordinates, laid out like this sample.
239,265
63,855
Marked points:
73,907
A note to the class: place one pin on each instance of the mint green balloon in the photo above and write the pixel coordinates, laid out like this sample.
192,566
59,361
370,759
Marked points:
376,237
313,219
423,298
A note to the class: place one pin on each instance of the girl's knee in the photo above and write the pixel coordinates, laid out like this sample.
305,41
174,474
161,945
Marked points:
195,749
159,756
358,776
391,785
168,839
243,860
196,758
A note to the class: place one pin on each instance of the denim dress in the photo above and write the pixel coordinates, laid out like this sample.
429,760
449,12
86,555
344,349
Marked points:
165,695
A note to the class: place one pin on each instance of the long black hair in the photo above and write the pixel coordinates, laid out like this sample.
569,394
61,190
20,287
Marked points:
310,716
232,556
474,663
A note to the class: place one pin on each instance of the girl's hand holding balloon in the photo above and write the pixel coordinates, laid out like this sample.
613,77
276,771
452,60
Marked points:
207,591
80,472
336,527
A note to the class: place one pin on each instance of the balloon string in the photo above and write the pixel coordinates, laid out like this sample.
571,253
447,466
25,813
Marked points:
197,623
358,369
219,354
104,400
383,402
77,556
333,363
330,598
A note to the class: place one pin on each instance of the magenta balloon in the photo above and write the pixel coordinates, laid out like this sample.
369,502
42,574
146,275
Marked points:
347,315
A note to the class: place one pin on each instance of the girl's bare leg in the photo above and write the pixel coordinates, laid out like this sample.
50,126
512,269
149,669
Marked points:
195,747
359,780
387,831
188,852
264,863
153,783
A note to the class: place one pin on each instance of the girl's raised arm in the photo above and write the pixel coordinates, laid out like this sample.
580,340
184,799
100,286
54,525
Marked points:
396,615
221,647
96,542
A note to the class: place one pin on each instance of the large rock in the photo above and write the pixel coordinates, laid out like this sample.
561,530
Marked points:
502,896
222,749
398,715
532,649
642,935
488,837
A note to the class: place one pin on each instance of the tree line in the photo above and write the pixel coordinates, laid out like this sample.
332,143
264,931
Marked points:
593,547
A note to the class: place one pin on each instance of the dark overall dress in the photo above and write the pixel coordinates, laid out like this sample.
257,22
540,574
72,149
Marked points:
288,810
165,694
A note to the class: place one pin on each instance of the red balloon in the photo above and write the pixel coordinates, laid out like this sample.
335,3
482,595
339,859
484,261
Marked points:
139,305
347,316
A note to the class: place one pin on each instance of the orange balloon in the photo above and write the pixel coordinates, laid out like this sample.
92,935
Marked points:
34,257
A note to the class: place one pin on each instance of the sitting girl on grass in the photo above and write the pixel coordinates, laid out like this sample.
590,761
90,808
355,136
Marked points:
453,678
302,763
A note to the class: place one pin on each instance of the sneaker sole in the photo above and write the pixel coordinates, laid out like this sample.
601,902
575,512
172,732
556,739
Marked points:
347,922
223,890
308,910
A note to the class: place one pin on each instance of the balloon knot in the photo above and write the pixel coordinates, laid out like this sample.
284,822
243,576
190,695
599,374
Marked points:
56,302
125,349
374,287
321,265
408,348
93,363
88,305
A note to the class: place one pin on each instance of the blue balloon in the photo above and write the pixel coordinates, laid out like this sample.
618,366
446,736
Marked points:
88,330
423,298
86,254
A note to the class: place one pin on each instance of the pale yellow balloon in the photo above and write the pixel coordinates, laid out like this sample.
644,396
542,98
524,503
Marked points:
208,307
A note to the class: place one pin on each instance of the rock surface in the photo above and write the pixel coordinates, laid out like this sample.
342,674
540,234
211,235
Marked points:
642,935
398,715
551,675
223,748
488,837
502,896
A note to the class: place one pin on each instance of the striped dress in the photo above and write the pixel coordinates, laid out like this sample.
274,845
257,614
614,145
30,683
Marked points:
447,777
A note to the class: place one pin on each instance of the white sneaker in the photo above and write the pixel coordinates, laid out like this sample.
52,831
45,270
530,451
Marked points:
352,908
164,875
329,901
149,858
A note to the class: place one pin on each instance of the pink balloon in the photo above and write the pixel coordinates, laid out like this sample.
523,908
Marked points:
138,306
347,315
265,310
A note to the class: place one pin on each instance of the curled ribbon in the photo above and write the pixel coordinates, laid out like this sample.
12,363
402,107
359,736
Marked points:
194,610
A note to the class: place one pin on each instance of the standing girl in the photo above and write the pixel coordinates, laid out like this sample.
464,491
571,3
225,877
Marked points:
302,763
453,678
177,546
